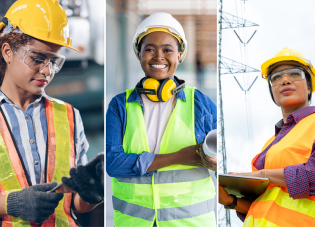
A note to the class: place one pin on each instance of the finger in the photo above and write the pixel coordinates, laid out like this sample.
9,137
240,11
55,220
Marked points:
93,162
100,172
84,175
44,187
49,197
49,206
195,147
81,176
71,184
81,173
232,173
45,215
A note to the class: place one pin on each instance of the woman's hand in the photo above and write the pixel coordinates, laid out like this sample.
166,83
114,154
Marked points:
224,198
210,163
189,156
276,176
259,173
33,203
88,180
185,156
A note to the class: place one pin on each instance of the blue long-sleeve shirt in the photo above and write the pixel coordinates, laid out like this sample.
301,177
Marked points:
121,164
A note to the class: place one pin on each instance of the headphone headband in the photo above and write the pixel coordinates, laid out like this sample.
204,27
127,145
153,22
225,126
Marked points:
145,91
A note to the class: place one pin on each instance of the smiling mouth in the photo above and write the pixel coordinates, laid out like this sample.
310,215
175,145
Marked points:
158,66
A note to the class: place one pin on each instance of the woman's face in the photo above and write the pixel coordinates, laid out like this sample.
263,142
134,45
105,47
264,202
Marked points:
24,78
159,56
291,94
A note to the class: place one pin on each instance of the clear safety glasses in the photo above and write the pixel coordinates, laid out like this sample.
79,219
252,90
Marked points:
38,60
292,74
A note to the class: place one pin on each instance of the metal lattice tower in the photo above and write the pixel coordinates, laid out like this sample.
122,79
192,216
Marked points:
232,67
231,21
225,220
227,66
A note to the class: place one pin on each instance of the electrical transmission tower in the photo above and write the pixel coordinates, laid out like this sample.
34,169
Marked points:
231,21
227,66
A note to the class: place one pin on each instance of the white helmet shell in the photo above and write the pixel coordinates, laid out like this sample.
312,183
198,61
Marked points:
161,20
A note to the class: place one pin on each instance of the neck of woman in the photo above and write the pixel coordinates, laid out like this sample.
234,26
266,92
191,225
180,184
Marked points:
286,111
17,95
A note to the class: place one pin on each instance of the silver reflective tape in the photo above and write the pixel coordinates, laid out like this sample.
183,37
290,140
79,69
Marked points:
133,209
136,180
172,176
184,175
191,211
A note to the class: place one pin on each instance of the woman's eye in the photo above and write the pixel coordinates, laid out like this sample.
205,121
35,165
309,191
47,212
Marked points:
149,50
295,74
168,50
38,60
275,78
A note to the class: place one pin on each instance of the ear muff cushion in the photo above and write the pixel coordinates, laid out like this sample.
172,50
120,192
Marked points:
165,90
150,83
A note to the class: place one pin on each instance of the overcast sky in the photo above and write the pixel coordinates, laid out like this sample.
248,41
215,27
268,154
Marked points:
282,23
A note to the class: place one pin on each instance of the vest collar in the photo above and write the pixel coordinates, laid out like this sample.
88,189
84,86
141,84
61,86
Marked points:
295,117
135,97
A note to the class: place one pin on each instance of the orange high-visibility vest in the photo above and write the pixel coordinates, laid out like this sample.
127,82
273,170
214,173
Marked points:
275,207
60,157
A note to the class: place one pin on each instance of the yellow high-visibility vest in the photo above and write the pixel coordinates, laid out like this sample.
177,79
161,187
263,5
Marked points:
176,195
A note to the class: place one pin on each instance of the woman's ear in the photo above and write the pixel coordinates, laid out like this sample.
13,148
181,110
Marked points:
179,56
7,53
309,87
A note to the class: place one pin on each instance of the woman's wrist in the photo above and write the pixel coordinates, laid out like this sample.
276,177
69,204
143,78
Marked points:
228,201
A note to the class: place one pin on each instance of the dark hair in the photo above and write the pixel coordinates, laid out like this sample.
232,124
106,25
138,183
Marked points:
141,42
308,81
14,40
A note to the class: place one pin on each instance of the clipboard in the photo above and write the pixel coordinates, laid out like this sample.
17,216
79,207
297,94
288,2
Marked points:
243,185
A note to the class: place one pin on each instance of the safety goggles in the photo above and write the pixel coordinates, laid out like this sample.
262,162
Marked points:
292,74
38,60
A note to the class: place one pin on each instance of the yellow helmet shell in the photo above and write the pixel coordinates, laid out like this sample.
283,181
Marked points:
287,55
42,19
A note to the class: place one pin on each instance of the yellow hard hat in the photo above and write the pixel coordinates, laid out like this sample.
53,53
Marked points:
288,56
42,19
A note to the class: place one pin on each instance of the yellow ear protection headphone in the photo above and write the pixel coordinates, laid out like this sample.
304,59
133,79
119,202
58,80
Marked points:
159,90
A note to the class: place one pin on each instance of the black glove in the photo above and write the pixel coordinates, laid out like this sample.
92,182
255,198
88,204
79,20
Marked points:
88,180
34,203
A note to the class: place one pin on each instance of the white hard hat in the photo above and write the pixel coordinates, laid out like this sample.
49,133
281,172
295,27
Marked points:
161,20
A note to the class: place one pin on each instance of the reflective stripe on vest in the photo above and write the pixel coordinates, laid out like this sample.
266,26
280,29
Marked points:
60,157
176,195
267,210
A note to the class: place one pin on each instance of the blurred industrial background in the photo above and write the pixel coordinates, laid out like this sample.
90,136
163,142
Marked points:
81,80
123,71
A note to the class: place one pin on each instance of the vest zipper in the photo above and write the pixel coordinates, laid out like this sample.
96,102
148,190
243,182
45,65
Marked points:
17,149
